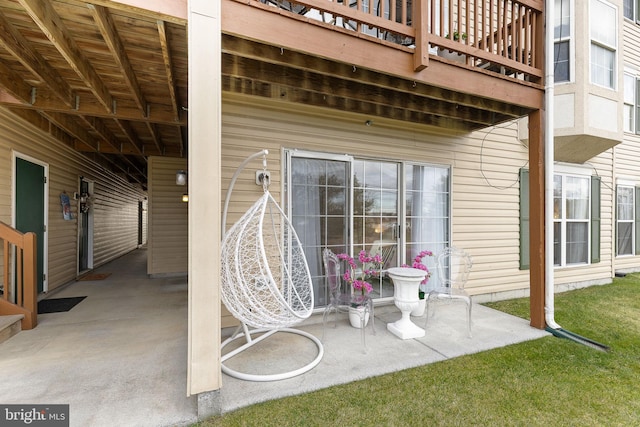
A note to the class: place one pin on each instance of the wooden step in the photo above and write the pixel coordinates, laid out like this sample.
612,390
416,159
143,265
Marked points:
9,326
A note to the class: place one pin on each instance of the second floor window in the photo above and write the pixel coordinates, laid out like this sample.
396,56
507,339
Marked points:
603,43
561,46
630,9
629,102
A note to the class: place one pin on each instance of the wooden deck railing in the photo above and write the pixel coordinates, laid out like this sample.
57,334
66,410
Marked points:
19,267
502,36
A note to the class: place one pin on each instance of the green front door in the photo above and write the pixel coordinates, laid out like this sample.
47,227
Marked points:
30,186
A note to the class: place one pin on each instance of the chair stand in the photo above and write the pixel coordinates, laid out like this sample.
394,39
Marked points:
430,309
368,310
243,331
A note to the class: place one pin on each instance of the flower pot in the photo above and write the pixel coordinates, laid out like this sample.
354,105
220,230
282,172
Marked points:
355,316
419,309
406,282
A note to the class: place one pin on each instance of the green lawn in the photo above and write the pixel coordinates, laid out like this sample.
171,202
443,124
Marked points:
550,381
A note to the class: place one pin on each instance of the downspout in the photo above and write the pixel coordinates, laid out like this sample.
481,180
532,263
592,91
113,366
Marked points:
548,166
549,307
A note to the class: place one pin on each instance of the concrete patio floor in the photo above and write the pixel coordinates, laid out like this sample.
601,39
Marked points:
119,358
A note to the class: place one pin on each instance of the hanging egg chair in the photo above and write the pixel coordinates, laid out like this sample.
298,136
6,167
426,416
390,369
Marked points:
265,280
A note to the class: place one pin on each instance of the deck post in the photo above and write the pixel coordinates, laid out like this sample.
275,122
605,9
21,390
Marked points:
537,219
30,281
421,53
205,100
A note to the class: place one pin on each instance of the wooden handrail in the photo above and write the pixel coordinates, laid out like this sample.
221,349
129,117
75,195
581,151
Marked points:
21,249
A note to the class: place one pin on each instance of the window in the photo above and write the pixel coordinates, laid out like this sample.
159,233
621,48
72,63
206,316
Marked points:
630,9
561,47
629,102
576,212
570,219
631,111
351,204
625,219
603,43
627,8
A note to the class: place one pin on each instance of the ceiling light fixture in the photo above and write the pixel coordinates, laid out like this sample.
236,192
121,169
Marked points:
181,177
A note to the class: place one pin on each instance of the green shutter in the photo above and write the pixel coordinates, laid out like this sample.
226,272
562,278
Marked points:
524,219
637,221
595,219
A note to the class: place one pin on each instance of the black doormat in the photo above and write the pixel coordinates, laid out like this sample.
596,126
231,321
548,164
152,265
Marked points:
58,305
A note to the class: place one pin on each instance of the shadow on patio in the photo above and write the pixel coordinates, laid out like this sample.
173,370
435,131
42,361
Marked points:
120,356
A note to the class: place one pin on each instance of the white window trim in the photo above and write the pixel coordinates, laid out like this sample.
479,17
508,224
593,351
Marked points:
571,170
636,15
626,182
629,184
572,44
633,73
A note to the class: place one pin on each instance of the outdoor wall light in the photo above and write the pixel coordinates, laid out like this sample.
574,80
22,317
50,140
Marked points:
185,197
181,177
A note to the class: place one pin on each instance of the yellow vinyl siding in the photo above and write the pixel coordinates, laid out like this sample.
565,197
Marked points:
168,218
485,202
115,207
627,154
485,220
627,157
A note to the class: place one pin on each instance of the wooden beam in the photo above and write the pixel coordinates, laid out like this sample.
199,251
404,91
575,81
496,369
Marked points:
272,54
110,139
18,46
183,143
74,129
135,142
15,86
396,62
155,136
309,97
166,56
537,219
45,16
358,90
62,128
40,122
46,100
110,35
174,11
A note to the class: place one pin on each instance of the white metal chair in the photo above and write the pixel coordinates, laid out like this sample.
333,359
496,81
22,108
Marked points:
341,300
454,266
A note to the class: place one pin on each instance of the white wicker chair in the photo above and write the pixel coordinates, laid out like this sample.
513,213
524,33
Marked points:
265,279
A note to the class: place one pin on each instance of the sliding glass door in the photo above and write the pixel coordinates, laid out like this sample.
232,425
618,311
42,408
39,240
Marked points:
427,209
348,204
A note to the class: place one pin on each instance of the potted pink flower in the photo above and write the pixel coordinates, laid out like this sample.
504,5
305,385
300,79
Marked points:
357,278
418,263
